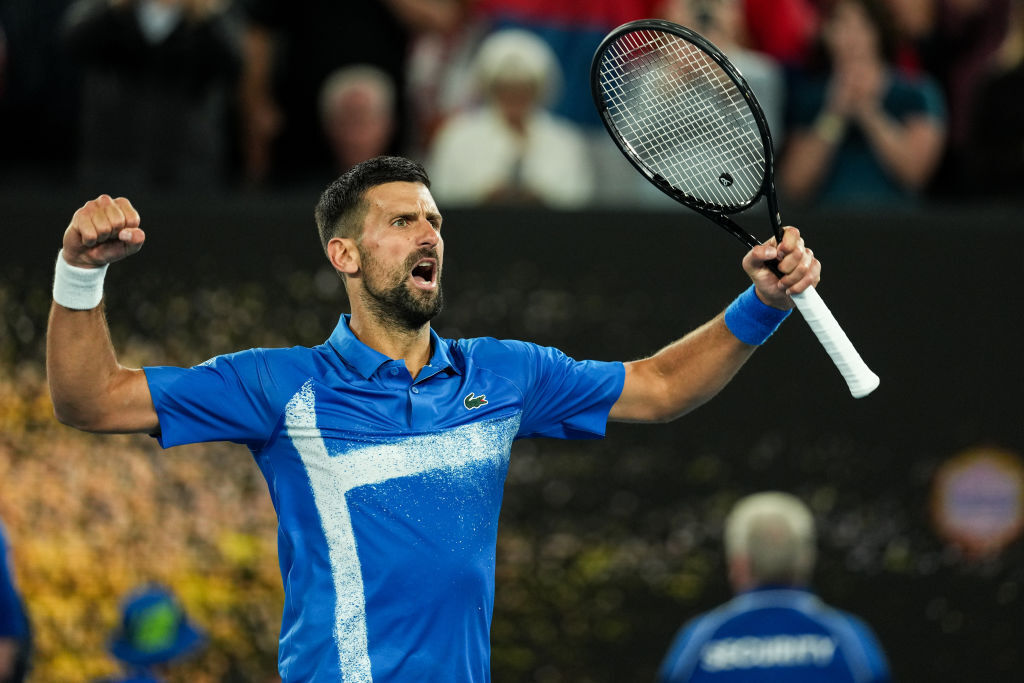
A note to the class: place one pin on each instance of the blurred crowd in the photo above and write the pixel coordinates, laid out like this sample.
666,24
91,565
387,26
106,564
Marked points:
869,101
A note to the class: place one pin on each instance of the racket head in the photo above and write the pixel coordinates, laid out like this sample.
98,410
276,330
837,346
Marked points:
684,116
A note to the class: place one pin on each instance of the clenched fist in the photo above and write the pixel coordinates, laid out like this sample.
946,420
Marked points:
103,231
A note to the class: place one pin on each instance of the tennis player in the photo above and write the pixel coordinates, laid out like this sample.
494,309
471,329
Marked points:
385,449
775,629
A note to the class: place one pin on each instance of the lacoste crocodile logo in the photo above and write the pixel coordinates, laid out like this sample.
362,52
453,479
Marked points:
473,401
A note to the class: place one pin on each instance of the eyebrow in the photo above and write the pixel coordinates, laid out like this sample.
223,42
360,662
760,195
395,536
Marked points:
413,215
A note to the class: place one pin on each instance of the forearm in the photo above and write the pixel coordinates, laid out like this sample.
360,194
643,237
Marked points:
808,155
688,372
908,152
8,657
684,375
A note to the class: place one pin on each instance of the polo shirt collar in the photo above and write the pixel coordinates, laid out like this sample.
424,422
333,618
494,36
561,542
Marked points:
367,361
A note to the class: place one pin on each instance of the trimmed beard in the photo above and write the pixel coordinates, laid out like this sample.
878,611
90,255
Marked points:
392,300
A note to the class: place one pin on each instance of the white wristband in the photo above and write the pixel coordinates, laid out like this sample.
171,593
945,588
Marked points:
77,288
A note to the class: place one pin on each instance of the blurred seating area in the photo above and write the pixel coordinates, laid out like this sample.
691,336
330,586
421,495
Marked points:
870,101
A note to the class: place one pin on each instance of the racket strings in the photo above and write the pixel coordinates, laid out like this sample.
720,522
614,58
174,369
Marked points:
684,117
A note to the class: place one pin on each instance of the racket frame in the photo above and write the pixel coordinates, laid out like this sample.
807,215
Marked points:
859,377
720,215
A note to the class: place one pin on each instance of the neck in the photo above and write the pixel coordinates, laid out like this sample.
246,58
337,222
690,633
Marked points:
410,345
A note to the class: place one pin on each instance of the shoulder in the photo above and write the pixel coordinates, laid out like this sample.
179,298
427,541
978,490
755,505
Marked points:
916,94
483,347
488,351
858,642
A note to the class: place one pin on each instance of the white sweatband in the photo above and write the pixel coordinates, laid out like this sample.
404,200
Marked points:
77,288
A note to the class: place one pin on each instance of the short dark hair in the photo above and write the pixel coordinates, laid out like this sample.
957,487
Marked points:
342,206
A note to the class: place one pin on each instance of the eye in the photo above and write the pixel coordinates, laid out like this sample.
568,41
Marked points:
400,222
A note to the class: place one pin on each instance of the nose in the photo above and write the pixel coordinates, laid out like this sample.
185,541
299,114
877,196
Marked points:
426,234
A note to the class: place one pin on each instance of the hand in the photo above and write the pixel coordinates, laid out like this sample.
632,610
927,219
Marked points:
796,262
868,81
103,231
840,96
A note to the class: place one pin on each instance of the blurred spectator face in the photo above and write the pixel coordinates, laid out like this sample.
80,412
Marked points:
517,72
358,120
914,17
515,100
720,20
849,33
725,19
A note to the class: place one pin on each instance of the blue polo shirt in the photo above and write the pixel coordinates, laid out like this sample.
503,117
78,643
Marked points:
387,489
775,634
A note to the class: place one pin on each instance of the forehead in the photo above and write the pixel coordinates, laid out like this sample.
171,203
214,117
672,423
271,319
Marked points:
400,197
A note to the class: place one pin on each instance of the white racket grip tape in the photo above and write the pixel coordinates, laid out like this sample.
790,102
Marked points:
861,380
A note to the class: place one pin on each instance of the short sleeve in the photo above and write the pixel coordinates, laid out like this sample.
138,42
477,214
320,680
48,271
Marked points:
919,96
227,398
565,398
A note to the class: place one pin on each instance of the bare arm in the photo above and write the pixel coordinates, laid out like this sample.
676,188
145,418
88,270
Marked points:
89,388
808,156
8,656
810,151
261,117
908,150
690,371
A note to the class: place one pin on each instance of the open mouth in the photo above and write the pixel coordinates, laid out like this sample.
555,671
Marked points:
424,274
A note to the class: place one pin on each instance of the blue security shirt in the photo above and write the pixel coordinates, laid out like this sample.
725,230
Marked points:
13,619
775,634
387,489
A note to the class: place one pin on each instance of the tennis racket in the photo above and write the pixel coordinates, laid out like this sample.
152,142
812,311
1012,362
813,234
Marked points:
687,120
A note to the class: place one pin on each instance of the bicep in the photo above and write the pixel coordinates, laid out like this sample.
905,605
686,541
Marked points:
129,406
641,394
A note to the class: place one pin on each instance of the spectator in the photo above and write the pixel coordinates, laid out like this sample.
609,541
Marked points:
954,42
357,111
861,131
775,629
155,94
15,632
723,22
154,634
511,149
994,153
290,50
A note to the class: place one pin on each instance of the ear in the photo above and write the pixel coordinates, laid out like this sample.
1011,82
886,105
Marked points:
343,255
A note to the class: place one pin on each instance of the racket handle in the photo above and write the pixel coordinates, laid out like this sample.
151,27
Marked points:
861,380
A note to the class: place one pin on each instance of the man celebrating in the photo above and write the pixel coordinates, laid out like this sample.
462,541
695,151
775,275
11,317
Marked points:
385,449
